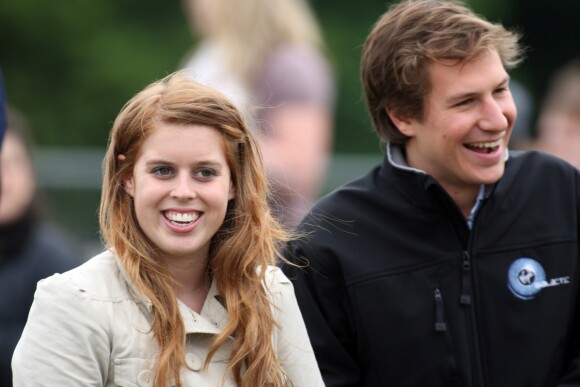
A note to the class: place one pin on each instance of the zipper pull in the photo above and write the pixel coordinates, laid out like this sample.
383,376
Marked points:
465,298
440,325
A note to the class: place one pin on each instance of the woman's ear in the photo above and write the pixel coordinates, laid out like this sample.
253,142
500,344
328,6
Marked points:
128,183
129,186
404,124
232,194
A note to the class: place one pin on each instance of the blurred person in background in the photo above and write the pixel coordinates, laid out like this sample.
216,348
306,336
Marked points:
558,127
268,56
2,119
31,248
521,132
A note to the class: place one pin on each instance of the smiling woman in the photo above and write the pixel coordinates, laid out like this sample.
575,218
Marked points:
180,176
187,291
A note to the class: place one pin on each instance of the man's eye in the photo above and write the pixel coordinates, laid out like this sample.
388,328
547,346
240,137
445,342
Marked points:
162,171
465,102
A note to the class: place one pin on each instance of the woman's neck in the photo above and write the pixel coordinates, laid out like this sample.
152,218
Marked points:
192,282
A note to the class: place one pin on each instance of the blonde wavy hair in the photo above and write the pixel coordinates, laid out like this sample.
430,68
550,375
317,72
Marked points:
406,39
250,29
248,240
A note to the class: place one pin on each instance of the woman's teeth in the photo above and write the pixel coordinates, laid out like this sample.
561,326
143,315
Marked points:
181,218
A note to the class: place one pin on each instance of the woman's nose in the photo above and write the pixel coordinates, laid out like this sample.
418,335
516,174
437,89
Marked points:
184,188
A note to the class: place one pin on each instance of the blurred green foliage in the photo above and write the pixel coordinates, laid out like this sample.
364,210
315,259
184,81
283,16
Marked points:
71,65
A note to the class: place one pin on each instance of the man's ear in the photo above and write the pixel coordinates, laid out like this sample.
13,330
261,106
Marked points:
404,124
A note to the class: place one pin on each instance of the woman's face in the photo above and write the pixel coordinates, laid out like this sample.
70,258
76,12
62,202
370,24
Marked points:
18,179
181,186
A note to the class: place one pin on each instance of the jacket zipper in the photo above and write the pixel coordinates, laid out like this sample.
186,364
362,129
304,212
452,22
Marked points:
440,325
466,301
465,298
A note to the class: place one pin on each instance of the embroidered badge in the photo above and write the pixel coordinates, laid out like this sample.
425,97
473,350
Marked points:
526,277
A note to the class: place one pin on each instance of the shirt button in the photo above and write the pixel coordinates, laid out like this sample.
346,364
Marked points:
145,378
193,361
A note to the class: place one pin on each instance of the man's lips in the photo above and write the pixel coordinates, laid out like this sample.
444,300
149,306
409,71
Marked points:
484,147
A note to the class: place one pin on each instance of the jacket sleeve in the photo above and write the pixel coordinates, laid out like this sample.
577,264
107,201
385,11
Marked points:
325,308
64,342
293,346
571,375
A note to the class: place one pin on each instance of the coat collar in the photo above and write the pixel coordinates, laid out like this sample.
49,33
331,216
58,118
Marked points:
395,161
211,320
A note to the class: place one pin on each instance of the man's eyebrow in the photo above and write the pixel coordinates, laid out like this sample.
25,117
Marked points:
505,80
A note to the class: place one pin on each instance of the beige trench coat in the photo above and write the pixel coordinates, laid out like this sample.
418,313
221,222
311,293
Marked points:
91,327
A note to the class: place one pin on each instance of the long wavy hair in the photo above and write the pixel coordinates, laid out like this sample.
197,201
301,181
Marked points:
247,242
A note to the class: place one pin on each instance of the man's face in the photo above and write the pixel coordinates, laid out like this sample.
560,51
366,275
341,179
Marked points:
469,115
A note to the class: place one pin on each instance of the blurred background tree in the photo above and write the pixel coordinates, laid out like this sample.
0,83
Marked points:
71,65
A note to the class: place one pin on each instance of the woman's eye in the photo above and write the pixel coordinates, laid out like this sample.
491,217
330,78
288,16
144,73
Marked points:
162,171
206,173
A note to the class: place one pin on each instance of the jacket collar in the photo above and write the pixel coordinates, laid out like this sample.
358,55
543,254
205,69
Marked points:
211,320
395,160
396,157
410,183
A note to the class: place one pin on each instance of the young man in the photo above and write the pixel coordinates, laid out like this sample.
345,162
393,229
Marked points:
455,262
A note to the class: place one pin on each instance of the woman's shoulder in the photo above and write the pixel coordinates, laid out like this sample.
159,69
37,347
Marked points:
98,278
276,282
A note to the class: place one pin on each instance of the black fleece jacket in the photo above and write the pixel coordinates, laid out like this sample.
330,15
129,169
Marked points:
398,291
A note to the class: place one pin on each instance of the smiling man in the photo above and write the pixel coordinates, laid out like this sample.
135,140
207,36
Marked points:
455,262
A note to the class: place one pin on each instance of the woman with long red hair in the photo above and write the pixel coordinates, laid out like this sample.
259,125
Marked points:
187,292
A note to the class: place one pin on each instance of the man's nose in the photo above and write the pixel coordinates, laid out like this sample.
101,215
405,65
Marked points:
493,116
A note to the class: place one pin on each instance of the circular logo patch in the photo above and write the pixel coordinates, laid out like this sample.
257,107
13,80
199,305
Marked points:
524,275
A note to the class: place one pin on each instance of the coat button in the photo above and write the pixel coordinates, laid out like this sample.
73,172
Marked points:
193,361
145,378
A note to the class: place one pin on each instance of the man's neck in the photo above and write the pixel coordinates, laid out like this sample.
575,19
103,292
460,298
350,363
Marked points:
464,198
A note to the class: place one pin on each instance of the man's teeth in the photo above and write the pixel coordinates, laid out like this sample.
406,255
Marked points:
181,217
483,145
